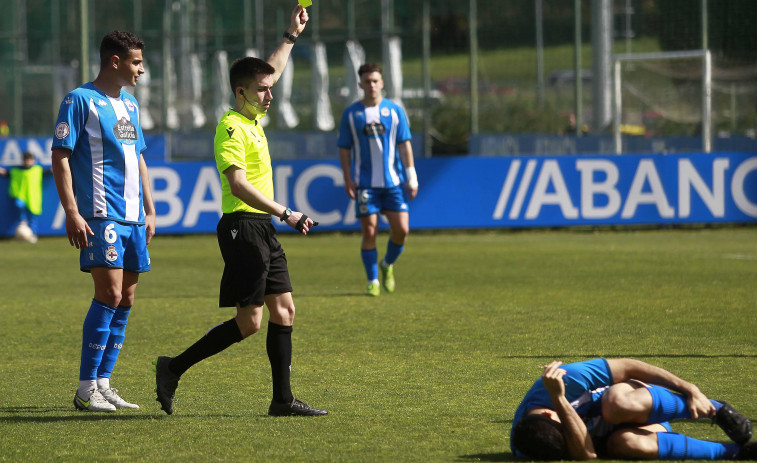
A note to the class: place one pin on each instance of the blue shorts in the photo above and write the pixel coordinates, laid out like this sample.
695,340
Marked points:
371,201
115,245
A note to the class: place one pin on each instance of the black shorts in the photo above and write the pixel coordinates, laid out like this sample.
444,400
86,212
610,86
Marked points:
254,263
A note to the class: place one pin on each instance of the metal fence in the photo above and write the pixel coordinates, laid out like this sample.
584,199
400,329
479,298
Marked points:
463,68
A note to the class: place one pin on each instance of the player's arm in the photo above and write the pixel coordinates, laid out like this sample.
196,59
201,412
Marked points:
147,201
76,227
253,197
406,154
3,171
280,55
345,159
577,438
625,369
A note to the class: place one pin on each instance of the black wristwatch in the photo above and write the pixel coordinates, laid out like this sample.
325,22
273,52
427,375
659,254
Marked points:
290,37
286,215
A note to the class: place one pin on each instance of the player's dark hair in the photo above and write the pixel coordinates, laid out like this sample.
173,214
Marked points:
540,438
28,155
245,70
367,68
118,43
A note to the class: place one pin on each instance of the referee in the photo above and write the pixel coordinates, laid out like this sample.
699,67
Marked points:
255,271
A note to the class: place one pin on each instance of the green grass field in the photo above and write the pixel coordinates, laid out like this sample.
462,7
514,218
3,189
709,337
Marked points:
430,373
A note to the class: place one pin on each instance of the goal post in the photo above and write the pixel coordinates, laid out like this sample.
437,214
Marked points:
706,58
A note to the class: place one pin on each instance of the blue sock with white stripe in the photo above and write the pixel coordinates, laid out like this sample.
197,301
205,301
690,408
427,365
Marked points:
393,251
115,341
370,262
674,446
95,334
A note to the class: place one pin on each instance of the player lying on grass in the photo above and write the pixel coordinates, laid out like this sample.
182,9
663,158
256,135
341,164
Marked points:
620,408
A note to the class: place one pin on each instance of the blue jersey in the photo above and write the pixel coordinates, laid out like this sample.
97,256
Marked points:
585,382
105,139
373,133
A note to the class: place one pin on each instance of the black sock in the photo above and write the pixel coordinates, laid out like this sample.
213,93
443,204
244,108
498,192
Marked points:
278,344
217,339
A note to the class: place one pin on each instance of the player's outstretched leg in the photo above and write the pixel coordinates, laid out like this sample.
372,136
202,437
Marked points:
734,424
295,408
166,383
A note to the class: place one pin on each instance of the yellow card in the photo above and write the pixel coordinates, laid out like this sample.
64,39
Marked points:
305,3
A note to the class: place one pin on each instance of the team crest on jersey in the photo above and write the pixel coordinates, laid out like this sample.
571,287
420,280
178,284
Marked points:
385,112
111,254
125,130
61,131
129,105
364,197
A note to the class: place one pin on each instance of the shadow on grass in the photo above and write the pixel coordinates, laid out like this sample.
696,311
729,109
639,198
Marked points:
60,414
499,456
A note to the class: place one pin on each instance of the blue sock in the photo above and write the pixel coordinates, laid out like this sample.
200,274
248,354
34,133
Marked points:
370,262
393,251
673,446
94,338
115,342
668,405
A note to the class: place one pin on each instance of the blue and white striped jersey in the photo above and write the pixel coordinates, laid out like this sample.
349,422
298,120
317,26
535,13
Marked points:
106,140
373,134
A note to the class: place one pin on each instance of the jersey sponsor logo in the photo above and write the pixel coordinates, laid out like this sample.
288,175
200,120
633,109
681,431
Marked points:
125,130
111,254
61,131
129,105
230,131
374,129
385,112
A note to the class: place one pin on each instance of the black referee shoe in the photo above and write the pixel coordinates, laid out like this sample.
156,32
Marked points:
734,424
166,382
295,408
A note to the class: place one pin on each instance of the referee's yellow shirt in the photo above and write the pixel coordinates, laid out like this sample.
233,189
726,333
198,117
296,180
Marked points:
241,142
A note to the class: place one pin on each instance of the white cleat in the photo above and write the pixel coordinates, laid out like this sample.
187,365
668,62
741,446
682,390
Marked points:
111,395
96,403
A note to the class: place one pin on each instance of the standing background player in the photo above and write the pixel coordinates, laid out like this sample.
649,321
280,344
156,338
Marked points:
377,159
255,267
102,182
25,189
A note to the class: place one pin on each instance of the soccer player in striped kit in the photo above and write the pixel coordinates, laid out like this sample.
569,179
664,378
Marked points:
376,130
102,182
